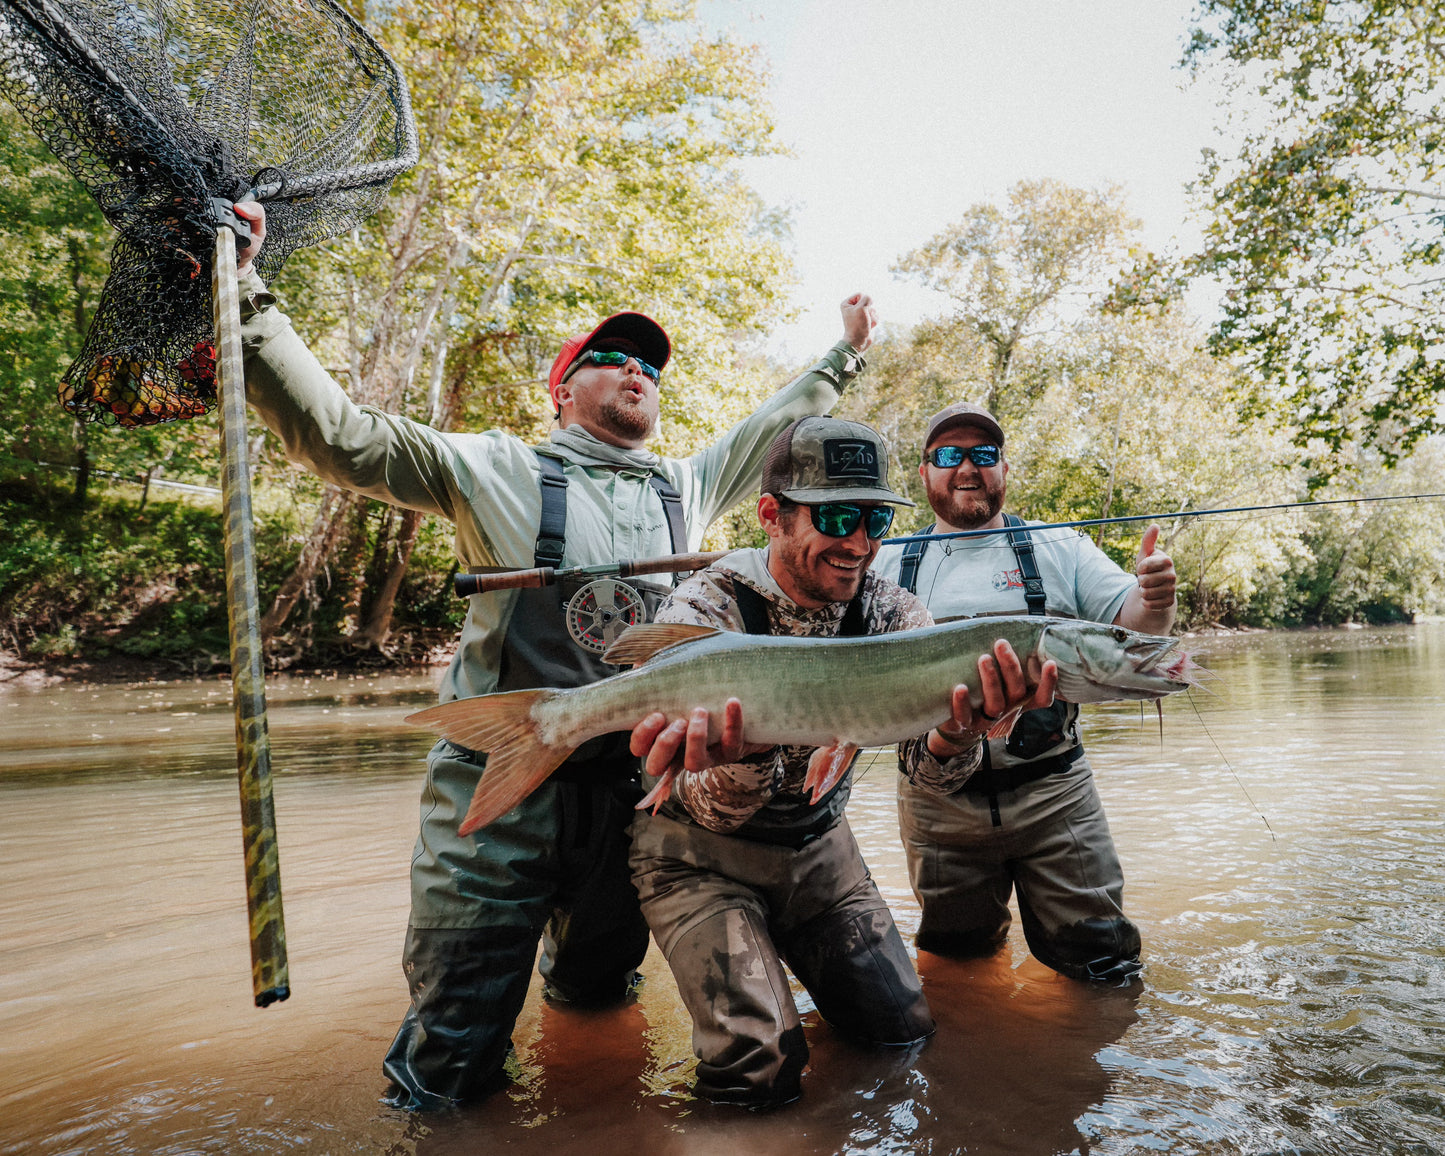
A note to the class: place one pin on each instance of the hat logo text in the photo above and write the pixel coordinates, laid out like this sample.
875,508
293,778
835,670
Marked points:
848,458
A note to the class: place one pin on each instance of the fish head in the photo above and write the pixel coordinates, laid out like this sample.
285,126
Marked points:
1099,662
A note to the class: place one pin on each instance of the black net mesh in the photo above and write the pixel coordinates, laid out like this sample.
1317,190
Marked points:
158,106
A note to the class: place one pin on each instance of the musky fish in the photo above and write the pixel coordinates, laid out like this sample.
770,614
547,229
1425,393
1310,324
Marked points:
838,694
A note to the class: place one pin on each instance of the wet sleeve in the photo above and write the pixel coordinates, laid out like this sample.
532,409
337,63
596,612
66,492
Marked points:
725,797
924,771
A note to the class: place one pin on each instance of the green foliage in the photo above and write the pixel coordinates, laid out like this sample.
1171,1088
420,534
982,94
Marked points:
1117,409
111,579
1326,217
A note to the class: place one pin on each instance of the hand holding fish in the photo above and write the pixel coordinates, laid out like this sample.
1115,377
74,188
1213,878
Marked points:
682,743
1008,690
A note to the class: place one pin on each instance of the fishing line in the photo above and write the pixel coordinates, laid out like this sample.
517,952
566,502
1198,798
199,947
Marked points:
1189,694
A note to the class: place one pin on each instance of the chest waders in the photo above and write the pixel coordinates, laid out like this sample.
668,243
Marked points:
539,650
1036,730
554,868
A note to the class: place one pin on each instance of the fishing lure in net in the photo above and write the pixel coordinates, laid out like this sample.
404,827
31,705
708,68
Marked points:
168,112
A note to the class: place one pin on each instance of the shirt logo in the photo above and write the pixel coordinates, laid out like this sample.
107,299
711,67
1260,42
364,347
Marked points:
850,458
1008,580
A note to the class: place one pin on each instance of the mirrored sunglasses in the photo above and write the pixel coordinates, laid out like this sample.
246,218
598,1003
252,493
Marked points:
839,519
946,457
615,358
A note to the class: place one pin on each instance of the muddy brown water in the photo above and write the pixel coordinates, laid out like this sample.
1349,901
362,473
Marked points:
1283,850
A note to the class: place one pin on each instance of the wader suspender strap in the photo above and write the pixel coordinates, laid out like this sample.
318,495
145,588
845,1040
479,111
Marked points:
672,507
912,556
754,610
1023,546
552,529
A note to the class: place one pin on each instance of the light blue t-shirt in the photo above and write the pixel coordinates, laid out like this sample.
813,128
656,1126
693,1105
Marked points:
966,576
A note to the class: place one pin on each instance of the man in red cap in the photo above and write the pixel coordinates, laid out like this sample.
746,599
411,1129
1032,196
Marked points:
555,867
1029,822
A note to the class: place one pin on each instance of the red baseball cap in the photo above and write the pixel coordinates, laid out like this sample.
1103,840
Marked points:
638,328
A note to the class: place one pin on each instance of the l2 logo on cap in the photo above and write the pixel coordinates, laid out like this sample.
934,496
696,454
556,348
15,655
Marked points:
849,458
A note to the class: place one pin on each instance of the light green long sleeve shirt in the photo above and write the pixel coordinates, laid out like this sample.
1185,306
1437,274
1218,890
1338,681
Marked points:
487,483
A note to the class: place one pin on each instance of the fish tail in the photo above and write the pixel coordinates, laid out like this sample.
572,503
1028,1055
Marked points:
502,725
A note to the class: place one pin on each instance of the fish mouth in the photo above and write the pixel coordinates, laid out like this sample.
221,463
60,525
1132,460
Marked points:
1147,653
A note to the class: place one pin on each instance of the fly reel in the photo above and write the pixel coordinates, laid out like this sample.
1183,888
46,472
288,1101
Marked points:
600,611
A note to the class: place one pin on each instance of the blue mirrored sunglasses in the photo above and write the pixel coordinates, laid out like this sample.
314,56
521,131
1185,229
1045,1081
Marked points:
946,457
839,519
616,358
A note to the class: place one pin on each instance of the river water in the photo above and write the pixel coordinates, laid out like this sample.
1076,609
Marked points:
1282,846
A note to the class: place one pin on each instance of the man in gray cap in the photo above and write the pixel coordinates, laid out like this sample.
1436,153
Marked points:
741,867
1030,820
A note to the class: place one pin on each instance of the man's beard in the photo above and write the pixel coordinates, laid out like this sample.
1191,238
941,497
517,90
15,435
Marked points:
967,509
794,564
628,421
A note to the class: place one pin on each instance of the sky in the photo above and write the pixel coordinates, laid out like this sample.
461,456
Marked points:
900,114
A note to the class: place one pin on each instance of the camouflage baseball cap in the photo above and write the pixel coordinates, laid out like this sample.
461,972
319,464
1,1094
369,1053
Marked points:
827,459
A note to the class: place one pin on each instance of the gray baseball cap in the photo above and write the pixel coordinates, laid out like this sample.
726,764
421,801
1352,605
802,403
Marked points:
827,459
963,413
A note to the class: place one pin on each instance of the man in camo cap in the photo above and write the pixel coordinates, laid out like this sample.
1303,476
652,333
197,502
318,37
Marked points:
742,867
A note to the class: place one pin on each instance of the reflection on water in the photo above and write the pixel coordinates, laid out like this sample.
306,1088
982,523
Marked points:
1282,850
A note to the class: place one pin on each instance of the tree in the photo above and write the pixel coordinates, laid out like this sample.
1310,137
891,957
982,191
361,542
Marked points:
1327,217
1012,274
577,158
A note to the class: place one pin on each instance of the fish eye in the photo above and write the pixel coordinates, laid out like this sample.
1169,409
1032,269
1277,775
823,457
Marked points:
1120,634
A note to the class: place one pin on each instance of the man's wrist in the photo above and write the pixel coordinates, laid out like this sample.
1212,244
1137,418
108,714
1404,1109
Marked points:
954,745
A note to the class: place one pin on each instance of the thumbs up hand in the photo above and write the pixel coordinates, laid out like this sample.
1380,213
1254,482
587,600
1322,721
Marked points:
1155,569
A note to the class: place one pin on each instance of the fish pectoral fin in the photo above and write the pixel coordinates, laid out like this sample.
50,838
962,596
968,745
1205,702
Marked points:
658,795
637,644
1005,725
502,724
826,768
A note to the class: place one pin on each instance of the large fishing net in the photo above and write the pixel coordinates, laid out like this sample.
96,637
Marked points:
170,110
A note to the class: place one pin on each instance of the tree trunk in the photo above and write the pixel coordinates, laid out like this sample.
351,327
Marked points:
332,520
377,626
81,493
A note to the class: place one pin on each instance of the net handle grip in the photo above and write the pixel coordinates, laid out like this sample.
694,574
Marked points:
223,212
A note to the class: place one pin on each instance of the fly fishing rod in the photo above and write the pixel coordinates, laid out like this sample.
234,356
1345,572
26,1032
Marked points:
500,578
481,582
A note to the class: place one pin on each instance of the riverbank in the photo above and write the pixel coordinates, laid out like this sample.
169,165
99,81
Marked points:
29,674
